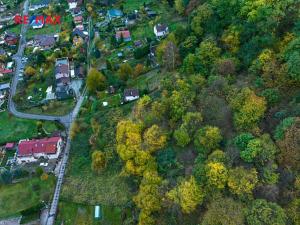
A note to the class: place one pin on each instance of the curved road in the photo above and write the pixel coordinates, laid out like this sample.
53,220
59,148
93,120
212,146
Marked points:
65,120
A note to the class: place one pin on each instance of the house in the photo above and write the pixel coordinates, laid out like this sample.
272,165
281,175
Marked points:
10,65
125,34
9,146
2,51
11,38
44,41
62,78
36,24
151,14
76,11
79,71
49,94
78,19
161,30
138,43
33,150
63,92
111,90
4,71
131,19
4,89
79,36
3,7
74,3
114,14
131,95
39,5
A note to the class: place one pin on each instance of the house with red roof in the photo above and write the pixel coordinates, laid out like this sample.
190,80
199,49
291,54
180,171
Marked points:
125,34
33,150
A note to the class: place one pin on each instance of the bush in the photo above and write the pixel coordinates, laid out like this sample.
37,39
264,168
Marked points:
282,127
141,52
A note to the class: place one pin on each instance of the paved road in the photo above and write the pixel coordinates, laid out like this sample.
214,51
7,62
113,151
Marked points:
65,120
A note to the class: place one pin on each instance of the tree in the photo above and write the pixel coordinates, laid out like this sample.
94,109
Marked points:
242,181
190,64
188,46
242,140
179,6
154,138
231,39
95,81
208,54
98,161
217,174
125,71
289,144
224,211
182,137
203,13
39,171
138,70
293,212
262,212
44,177
171,58
292,56
260,150
148,198
191,121
188,194
249,109
207,139
30,71
225,67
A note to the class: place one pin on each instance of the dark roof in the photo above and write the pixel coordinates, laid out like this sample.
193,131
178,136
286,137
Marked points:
131,92
132,16
151,13
77,32
61,68
42,2
62,92
138,43
76,10
45,40
161,27
63,80
79,71
2,51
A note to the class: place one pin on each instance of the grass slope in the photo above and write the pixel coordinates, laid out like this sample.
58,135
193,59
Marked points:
13,129
16,197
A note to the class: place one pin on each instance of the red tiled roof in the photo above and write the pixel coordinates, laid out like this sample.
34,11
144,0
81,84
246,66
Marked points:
9,145
46,145
124,33
5,71
78,18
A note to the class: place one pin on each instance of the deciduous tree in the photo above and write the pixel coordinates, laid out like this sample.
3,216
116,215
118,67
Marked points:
188,194
96,81
242,181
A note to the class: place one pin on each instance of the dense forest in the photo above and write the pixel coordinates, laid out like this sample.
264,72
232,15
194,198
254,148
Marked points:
219,142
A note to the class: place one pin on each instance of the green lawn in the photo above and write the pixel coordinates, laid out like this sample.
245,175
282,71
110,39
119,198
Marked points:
47,29
134,4
72,213
15,29
13,129
17,197
55,108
